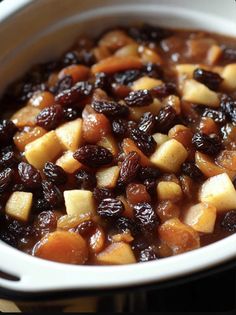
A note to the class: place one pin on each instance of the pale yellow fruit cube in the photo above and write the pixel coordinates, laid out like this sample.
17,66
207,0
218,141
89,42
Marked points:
169,156
68,163
229,76
42,150
118,253
213,54
169,191
19,205
128,50
160,138
146,83
199,93
110,144
219,191
201,217
107,177
70,134
137,112
79,202
186,70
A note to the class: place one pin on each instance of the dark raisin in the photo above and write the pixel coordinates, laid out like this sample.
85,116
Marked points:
126,77
71,113
149,173
52,194
150,185
229,221
102,81
6,177
123,224
207,144
145,216
149,33
164,90
228,106
8,159
7,131
77,93
143,141
110,108
139,98
29,175
119,127
211,79
55,173
152,70
70,58
86,228
62,85
217,115
102,193
85,180
147,254
8,238
93,155
129,168
130,126
45,222
50,117
191,170
110,208
229,55
19,187
165,119
41,204
147,123
86,57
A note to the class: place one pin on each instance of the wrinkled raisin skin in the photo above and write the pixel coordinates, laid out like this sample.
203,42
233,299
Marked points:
126,77
217,115
29,175
147,123
149,33
102,193
143,141
149,173
129,168
51,117
164,90
7,131
119,127
110,208
191,170
110,108
93,155
165,119
207,144
211,79
145,216
52,194
6,178
71,113
229,221
139,98
85,180
123,224
55,173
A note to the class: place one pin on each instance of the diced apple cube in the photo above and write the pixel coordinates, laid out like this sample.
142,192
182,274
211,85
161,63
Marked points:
137,112
25,116
118,253
199,93
68,163
186,70
42,150
160,138
179,236
145,83
79,202
201,217
19,205
110,144
219,191
70,134
213,54
169,191
169,156
107,177
229,76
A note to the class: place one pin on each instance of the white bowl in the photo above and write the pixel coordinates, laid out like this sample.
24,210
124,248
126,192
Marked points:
36,31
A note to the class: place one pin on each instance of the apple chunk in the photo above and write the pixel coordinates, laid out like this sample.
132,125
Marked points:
70,134
116,254
79,202
229,76
196,92
68,163
42,150
19,205
201,217
169,191
219,191
179,236
107,177
169,156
